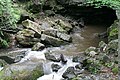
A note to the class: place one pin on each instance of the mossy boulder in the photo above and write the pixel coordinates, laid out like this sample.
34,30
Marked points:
26,37
22,71
112,47
113,31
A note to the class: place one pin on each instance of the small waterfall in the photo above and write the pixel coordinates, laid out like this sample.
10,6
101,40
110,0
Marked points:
58,75
39,56
30,55
1,68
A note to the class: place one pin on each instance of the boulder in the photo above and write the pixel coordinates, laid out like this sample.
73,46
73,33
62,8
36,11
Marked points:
2,63
64,36
49,13
58,34
52,40
22,71
32,25
26,37
78,59
112,47
50,32
51,57
55,67
38,46
12,56
92,53
63,25
88,50
102,46
113,31
69,73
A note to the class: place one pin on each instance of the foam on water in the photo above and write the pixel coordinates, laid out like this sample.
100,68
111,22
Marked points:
34,55
1,68
58,75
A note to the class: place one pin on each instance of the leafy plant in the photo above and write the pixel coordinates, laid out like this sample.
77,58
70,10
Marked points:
115,4
8,19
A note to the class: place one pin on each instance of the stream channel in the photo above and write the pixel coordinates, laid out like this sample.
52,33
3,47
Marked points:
82,39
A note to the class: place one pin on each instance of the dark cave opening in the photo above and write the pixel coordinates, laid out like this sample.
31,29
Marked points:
90,15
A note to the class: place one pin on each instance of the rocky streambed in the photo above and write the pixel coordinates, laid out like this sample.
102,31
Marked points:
62,43
79,59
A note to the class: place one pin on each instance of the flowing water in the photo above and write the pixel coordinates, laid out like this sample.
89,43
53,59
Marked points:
82,39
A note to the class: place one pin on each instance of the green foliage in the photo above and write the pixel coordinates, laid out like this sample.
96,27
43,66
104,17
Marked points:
3,40
115,70
7,15
113,32
115,4
8,19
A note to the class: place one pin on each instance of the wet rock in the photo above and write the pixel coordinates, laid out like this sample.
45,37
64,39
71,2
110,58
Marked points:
62,59
77,59
38,46
49,13
2,63
78,66
63,25
26,37
64,36
55,67
14,56
102,46
7,59
46,26
69,73
51,57
91,51
23,71
112,47
113,31
50,32
58,34
105,58
24,17
103,35
52,40
32,25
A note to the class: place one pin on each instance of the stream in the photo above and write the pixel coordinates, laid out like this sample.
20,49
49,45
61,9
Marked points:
82,39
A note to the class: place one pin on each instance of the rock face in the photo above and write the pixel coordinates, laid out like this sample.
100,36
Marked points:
49,32
113,31
51,57
26,37
52,40
32,25
55,67
69,74
38,46
22,71
11,57
112,47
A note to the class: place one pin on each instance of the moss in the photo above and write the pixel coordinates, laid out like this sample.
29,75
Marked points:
113,31
36,73
115,70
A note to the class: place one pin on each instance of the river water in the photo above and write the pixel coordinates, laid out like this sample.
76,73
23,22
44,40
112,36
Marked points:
82,39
